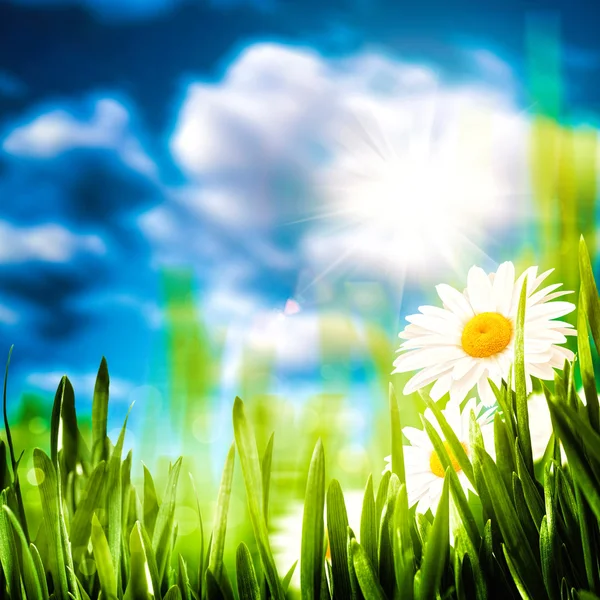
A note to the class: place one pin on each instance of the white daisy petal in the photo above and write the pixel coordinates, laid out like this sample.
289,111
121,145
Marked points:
455,301
503,287
441,387
418,359
480,290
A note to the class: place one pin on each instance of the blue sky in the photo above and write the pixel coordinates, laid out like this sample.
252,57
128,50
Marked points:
138,136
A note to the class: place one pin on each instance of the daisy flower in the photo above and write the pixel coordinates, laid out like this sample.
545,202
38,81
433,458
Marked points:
423,467
471,339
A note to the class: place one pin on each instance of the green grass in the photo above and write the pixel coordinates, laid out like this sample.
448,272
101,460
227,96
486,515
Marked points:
534,533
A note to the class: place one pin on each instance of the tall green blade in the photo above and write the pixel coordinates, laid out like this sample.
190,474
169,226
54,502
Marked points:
368,523
397,445
586,366
215,563
246,444
248,587
337,529
365,573
522,410
138,586
311,554
100,414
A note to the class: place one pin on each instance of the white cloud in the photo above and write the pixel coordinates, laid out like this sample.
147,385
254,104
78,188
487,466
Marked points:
83,383
57,131
49,243
400,169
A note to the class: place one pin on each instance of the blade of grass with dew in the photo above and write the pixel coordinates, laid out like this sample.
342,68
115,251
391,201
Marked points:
114,501
381,497
247,582
183,580
504,451
354,586
13,460
48,486
215,563
525,560
100,414
174,593
285,582
246,444
266,476
104,563
529,529
151,560
213,589
436,551
151,504
521,408
533,499
41,571
27,566
452,440
162,538
397,445
82,519
548,562
138,586
589,543
70,431
337,530
368,523
516,576
365,573
311,553
576,455
586,365
386,552
8,552
200,574
404,559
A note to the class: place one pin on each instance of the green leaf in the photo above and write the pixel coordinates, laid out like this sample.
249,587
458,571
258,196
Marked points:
162,538
104,563
453,442
365,573
200,573
81,525
247,582
41,571
525,561
174,593
504,451
213,589
150,502
521,407
28,569
530,491
14,462
368,523
266,475
48,486
517,578
337,529
8,552
100,414
215,563
311,555
138,587
386,532
183,581
435,552
397,440
381,497
547,553
285,584
404,558
246,444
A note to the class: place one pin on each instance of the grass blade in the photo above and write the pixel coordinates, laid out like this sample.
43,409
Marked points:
246,444
104,563
247,582
215,563
397,440
266,476
311,554
368,523
365,573
337,529
100,414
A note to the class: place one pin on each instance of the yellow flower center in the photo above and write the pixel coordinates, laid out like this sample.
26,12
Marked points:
435,464
486,334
